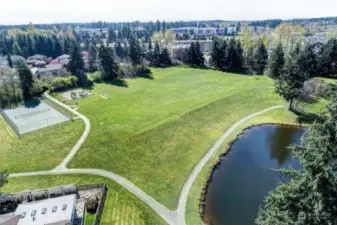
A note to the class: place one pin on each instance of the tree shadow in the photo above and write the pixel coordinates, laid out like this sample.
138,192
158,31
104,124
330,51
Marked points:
305,117
146,76
32,102
119,83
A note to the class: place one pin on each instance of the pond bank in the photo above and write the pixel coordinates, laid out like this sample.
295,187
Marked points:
269,135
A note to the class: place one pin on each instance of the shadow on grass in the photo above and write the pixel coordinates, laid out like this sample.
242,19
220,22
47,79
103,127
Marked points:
306,117
146,76
118,82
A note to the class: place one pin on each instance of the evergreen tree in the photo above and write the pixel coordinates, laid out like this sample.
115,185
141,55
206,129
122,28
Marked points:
310,62
327,62
119,50
26,80
215,54
233,61
249,60
150,44
276,62
92,53
165,59
290,82
309,197
16,49
135,50
10,62
155,58
76,65
261,57
109,67
199,60
111,36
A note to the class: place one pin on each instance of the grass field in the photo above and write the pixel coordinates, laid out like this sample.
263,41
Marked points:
121,207
39,150
156,130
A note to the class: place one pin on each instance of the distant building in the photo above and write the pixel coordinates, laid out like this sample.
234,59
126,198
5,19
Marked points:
56,70
63,59
205,31
36,58
177,49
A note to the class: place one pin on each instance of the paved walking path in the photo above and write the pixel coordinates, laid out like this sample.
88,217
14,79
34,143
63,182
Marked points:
172,217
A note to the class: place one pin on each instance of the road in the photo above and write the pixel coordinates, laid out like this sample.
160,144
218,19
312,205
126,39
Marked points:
172,217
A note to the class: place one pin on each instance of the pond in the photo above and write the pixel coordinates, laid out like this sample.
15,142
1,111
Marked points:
245,176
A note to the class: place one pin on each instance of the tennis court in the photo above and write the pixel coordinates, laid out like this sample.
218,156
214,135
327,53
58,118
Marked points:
25,119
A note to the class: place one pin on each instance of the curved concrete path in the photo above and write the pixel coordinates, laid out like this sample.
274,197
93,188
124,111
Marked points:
188,184
172,217
84,136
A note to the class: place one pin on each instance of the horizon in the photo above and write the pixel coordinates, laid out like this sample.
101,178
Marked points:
18,12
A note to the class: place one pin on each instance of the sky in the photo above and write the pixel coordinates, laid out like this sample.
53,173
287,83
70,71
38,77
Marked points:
57,11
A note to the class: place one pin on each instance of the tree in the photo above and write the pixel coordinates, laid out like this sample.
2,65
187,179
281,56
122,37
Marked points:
76,65
155,57
249,61
112,37
10,62
309,196
135,50
3,178
215,54
233,59
310,60
109,67
92,58
199,57
193,56
290,82
165,59
276,62
26,80
261,57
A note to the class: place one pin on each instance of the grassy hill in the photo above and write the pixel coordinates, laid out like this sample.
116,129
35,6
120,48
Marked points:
154,131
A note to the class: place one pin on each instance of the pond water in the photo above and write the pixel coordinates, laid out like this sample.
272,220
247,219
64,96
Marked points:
245,176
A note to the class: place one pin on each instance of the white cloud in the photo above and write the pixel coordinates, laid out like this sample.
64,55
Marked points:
42,11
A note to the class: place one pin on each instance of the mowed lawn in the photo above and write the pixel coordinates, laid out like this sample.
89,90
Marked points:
39,150
154,131
121,207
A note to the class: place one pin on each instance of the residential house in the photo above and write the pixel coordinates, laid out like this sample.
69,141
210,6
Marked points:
56,70
36,58
63,59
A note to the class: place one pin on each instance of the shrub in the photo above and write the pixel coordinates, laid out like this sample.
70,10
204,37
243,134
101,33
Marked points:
62,83
91,204
96,76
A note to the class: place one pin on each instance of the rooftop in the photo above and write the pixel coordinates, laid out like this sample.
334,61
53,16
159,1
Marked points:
50,211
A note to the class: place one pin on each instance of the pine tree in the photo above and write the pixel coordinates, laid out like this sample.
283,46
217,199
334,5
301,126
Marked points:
76,65
199,60
276,62
111,36
16,49
290,82
155,57
92,58
249,61
310,62
109,67
150,44
215,54
165,59
135,50
26,80
261,57
10,62
233,59
309,197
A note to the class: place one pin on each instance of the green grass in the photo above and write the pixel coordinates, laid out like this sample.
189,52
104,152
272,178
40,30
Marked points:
89,218
155,131
39,150
121,207
192,208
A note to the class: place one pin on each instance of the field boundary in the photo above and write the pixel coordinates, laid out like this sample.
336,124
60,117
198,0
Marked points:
14,127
